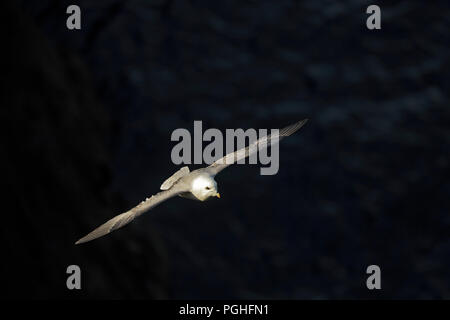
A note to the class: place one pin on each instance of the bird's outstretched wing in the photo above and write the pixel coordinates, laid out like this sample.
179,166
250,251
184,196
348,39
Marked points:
123,219
262,142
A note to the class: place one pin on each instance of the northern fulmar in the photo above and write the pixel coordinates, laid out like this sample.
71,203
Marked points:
198,184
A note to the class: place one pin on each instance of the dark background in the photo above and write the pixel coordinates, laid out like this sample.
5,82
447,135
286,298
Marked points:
86,128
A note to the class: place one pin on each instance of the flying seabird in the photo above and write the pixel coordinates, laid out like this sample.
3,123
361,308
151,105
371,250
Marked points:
198,184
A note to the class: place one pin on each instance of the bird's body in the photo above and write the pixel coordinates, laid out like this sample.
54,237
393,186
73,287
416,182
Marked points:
197,185
201,184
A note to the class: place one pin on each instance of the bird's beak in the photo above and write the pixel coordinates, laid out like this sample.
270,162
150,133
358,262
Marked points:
218,195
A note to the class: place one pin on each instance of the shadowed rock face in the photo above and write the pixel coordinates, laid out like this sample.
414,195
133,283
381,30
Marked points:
365,182
57,172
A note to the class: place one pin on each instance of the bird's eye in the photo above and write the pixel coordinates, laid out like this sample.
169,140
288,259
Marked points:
208,188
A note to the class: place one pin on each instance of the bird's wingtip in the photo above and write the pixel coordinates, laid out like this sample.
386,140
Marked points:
301,123
82,240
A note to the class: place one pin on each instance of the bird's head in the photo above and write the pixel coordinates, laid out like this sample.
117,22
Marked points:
204,187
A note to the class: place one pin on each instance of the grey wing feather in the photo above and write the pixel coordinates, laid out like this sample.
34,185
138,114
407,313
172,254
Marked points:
123,219
263,142
174,178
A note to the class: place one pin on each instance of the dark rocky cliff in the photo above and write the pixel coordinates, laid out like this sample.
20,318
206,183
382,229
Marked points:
57,175
89,119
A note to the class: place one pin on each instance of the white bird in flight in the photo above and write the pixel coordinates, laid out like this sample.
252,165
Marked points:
197,185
